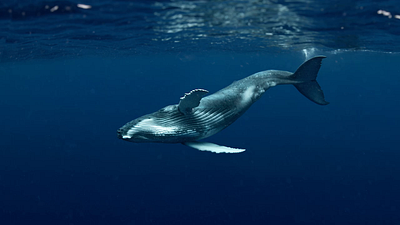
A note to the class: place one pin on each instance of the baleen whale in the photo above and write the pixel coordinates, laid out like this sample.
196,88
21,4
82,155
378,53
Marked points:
198,116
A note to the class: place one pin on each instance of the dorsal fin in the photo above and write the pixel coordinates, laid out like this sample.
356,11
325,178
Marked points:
191,100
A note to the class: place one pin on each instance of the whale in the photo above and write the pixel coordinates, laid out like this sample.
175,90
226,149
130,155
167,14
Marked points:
198,116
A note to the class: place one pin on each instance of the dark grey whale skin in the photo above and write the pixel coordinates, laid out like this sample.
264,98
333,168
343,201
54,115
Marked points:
219,110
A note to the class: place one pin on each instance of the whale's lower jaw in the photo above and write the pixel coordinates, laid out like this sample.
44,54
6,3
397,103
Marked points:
181,135
174,127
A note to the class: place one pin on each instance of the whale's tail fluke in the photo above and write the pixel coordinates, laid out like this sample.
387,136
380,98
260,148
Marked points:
309,87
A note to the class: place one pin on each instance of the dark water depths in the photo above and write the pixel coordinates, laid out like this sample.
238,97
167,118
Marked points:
70,77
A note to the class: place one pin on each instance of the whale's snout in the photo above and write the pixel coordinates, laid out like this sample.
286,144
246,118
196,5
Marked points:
120,133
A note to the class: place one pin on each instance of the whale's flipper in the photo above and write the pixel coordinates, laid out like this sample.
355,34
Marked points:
307,73
206,146
191,100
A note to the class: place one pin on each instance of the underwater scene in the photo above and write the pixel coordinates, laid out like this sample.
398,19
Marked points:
145,112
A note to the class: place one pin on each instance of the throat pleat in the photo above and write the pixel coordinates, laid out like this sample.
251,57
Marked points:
200,119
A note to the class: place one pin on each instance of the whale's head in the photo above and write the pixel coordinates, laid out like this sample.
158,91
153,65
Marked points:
165,125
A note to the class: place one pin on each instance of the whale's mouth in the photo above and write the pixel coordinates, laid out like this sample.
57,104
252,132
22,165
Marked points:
122,134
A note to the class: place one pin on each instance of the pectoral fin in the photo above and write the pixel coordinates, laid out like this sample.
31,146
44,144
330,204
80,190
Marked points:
191,100
211,147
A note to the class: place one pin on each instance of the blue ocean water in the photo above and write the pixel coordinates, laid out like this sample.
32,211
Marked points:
72,73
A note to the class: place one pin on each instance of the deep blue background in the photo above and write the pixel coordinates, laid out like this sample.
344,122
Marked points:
61,162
